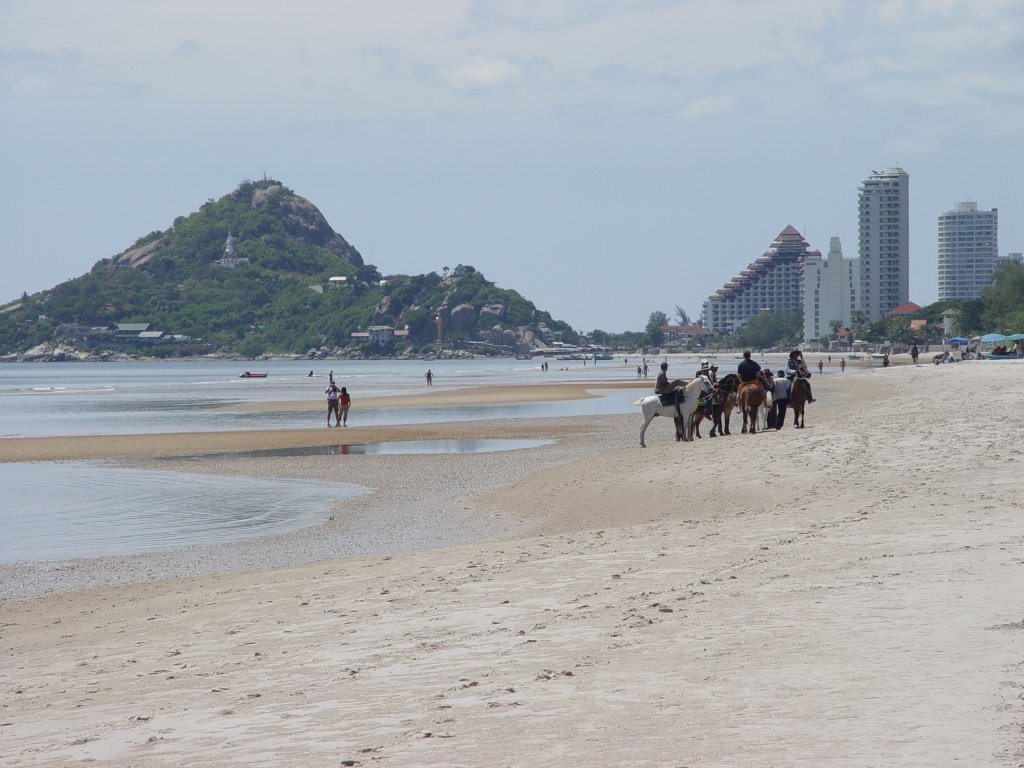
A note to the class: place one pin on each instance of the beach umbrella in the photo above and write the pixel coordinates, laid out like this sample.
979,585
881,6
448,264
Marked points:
1016,337
988,338
958,340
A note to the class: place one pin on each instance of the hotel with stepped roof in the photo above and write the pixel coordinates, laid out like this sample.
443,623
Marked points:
773,283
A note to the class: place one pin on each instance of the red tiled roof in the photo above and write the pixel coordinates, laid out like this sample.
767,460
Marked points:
904,309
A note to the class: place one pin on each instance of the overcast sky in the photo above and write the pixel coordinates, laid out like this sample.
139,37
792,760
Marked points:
606,158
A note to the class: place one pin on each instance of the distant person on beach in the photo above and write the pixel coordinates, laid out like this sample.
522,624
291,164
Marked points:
429,376
344,401
645,369
842,364
639,372
914,353
332,403
821,367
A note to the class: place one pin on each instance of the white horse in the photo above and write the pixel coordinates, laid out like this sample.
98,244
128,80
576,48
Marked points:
652,407
763,411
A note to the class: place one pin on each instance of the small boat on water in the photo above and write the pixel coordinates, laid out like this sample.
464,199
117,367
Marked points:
249,375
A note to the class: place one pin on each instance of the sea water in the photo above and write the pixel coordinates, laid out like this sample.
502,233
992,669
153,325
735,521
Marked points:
59,510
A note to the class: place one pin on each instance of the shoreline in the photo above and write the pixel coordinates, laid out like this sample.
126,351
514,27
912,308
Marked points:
846,594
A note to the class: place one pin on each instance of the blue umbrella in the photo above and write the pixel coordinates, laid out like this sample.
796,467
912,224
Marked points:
1016,337
990,337
958,340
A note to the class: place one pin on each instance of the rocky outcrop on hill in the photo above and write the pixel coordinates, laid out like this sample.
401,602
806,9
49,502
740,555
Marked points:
304,220
463,318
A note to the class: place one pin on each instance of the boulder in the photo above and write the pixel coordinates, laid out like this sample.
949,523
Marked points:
463,318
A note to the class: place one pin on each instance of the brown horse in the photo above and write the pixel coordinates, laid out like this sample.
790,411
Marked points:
723,403
750,397
797,398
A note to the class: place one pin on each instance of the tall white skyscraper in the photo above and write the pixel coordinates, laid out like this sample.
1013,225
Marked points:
830,292
968,251
884,242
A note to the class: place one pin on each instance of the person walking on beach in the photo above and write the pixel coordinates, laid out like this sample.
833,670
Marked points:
780,400
914,353
429,376
332,403
842,365
344,401
821,367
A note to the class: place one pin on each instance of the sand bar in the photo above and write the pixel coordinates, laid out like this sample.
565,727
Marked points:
844,595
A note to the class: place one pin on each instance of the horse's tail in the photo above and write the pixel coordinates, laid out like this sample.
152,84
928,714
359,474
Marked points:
640,401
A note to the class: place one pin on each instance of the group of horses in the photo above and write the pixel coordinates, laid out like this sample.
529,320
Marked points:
752,398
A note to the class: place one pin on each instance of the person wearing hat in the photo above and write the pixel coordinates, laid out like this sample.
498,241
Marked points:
714,373
798,370
780,400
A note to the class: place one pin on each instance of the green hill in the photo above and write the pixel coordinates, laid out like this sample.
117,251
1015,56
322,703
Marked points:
250,274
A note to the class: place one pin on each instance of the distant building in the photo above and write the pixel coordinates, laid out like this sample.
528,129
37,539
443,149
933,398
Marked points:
684,335
380,335
772,283
883,216
968,251
830,292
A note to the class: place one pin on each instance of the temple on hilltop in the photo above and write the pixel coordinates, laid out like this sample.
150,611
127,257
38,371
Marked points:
774,282
230,259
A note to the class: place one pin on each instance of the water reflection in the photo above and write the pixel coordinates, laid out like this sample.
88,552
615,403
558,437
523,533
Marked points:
395,447
57,510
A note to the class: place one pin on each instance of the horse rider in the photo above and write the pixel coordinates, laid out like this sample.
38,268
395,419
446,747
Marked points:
780,399
798,370
669,395
748,369
708,373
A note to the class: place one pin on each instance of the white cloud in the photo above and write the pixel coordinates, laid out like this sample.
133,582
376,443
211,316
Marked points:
708,106
481,71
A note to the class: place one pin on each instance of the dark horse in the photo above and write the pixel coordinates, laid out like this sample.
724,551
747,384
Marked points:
723,403
797,398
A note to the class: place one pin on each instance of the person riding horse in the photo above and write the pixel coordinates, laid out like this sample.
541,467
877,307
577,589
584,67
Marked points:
797,369
669,395
748,369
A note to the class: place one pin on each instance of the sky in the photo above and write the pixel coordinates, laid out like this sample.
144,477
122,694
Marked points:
605,158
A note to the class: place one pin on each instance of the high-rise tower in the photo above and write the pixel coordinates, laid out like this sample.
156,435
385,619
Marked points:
884,242
968,251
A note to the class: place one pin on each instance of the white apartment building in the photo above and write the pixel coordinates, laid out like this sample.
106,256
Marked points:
884,242
830,291
772,283
968,251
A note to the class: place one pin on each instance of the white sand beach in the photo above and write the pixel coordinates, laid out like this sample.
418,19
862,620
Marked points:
849,594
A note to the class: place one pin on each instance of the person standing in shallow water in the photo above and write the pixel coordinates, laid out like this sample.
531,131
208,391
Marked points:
429,376
344,401
332,403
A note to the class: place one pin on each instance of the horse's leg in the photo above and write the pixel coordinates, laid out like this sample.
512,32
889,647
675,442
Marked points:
643,429
753,421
